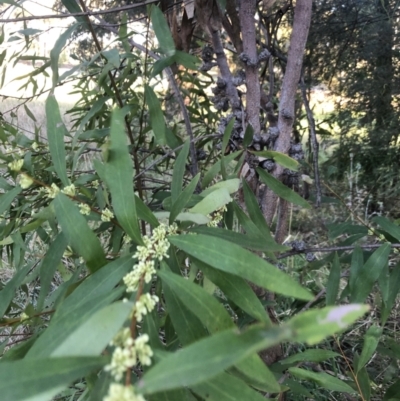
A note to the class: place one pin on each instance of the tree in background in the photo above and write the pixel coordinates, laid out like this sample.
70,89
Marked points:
140,234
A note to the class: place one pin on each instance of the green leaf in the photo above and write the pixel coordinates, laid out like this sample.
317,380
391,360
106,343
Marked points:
357,262
187,326
238,291
56,132
394,288
119,178
209,357
8,292
369,273
231,185
371,341
364,384
329,320
91,295
310,355
254,211
57,49
49,266
183,199
105,323
145,213
162,31
323,380
7,198
256,243
189,61
280,158
226,387
156,115
179,172
393,392
216,168
161,64
211,313
332,286
248,136
231,258
213,201
388,226
282,190
42,379
79,235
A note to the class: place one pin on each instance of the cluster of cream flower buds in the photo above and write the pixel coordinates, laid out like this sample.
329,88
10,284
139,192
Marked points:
128,351
154,248
216,217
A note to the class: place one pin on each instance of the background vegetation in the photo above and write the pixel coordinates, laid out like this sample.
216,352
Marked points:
206,217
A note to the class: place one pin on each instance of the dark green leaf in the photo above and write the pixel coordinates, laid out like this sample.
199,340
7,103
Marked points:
42,379
56,132
179,172
248,136
156,115
183,199
393,392
388,226
332,287
282,190
229,257
238,291
8,292
119,178
371,341
209,357
7,198
310,355
369,273
79,235
281,158
162,31
49,266
323,380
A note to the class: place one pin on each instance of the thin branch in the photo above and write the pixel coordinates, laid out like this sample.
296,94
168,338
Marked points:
314,141
334,249
82,14
173,83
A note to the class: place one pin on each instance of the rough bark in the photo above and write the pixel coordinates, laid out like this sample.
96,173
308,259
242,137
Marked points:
246,14
301,24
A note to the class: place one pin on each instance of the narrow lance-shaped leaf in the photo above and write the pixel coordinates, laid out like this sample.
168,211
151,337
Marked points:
229,257
183,199
81,238
42,379
324,380
282,190
119,178
162,31
7,198
213,201
281,158
56,132
57,49
179,172
371,341
157,121
369,273
332,287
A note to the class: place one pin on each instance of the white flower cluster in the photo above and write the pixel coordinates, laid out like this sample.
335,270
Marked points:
25,181
216,217
106,215
143,305
127,352
119,392
84,209
69,190
16,165
52,191
155,247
